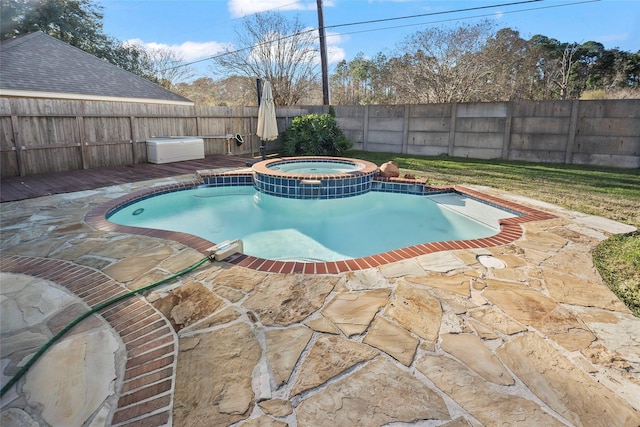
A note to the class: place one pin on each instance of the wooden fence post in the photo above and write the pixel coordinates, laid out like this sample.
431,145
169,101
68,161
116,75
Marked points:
82,141
16,145
132,138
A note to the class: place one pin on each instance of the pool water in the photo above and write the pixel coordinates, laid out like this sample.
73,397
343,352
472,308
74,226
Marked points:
311,230
315,168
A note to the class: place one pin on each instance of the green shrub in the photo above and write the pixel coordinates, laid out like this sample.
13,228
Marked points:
314,135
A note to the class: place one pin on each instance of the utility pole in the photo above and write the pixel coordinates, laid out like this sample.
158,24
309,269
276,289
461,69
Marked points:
323,56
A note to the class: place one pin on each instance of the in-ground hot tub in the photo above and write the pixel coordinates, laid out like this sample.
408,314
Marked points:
313,177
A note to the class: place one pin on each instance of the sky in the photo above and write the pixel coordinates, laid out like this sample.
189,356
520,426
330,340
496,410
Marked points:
199,29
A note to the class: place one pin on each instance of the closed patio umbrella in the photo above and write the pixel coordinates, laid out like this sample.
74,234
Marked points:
267,125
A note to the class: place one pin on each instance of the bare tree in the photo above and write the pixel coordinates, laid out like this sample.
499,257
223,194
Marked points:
163,65
513,67
236,90
471,64
202,91
168,67
273,48
564,71
444,65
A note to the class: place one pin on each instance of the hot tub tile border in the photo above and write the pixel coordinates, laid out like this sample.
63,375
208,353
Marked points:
313,186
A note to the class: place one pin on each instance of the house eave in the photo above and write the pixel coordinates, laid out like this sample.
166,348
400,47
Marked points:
81,97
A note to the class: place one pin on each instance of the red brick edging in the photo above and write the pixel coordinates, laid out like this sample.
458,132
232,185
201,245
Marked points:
146,395
510,231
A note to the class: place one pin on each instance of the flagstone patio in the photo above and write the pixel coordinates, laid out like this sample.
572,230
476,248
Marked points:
530,336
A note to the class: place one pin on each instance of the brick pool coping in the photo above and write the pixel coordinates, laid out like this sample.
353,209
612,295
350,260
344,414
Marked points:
145,396
510,231
263,167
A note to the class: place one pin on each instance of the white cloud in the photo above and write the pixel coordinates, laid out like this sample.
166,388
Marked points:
499,15
187,51
336,38
240,8
335,54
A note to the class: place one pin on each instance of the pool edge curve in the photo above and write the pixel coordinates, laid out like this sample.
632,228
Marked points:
510,230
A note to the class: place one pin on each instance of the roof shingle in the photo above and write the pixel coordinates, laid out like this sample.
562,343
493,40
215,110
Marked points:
41,63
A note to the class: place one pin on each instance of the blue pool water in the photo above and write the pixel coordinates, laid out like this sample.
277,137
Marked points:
302,167
310,230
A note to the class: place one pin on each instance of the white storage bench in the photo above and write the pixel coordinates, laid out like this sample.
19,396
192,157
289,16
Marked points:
174,149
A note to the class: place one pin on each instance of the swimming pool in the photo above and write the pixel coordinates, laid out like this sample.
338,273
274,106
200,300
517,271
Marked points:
315,230
497,219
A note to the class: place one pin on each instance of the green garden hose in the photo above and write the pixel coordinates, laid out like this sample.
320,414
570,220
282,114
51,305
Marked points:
95,309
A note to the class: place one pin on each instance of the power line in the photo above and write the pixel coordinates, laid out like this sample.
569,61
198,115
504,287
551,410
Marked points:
343,25
393,27
243,49
417,24
227,21
468,9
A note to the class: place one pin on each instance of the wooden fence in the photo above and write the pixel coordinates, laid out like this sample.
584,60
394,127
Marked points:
39,135
43,135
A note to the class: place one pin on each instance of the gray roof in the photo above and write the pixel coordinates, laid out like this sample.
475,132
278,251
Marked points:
41,63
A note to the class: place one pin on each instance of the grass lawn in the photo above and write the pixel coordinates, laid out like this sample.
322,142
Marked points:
607,192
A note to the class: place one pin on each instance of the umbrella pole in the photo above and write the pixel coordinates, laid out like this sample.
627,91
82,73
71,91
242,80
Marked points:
259,92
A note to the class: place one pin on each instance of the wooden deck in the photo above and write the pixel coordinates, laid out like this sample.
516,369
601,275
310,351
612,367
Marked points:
27,187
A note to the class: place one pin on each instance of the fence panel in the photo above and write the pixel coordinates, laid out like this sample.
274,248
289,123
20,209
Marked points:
608,134
45,135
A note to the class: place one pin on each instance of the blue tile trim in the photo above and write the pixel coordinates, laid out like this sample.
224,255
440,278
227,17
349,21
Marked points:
329,187
228,180
399,187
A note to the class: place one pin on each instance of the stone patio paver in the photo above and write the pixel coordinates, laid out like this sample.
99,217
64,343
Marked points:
438,339
283,349
560,384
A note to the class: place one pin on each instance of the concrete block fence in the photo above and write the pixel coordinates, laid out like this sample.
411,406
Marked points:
598,133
